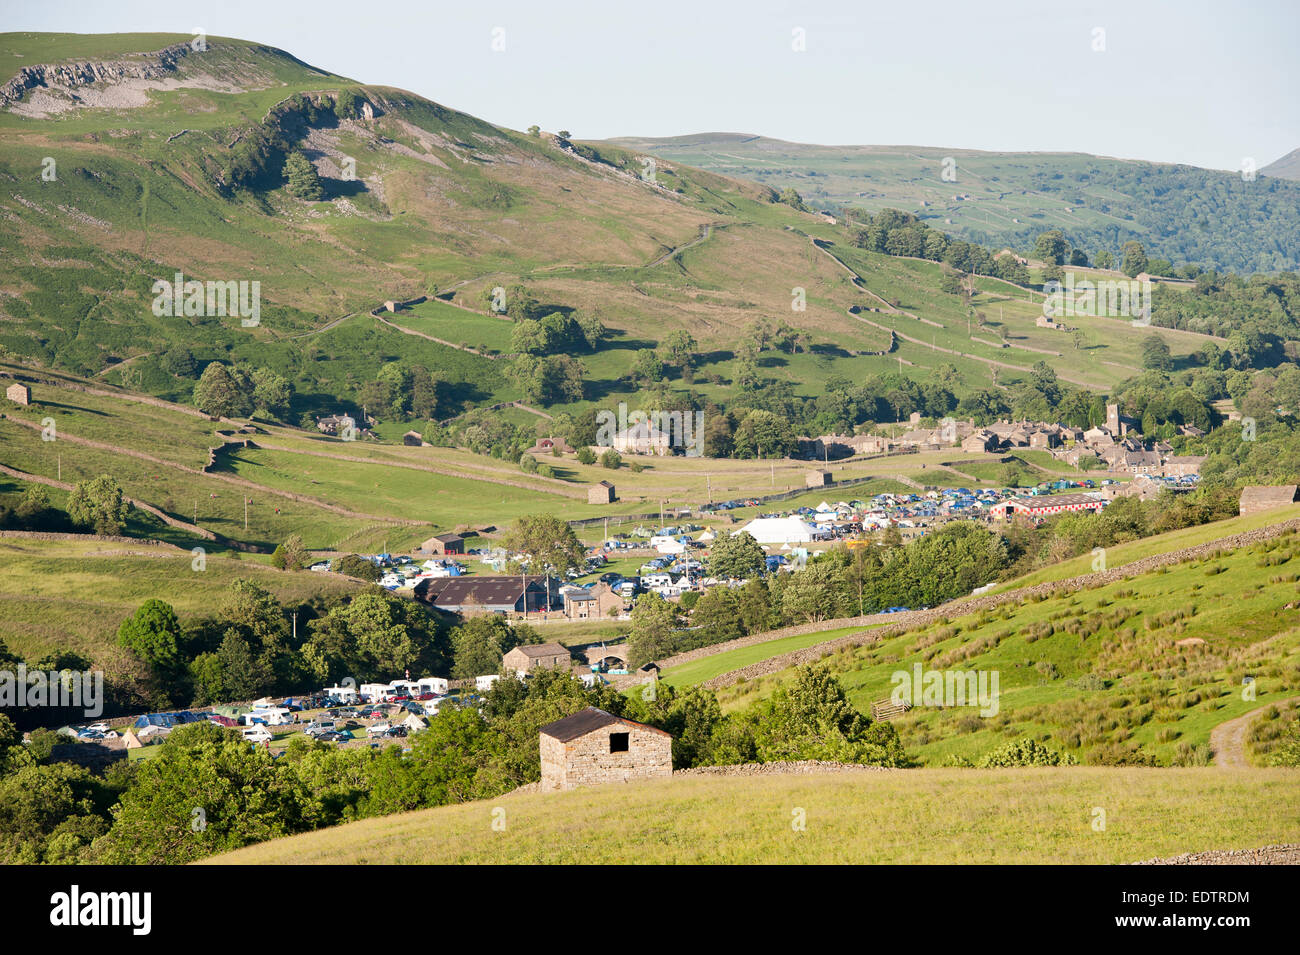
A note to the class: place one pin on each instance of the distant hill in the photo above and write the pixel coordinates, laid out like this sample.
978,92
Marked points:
1182,213
1288,167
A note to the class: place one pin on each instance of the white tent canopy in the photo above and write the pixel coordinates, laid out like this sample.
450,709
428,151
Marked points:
780,530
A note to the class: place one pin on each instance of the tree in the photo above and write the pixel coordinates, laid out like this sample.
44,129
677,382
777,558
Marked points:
352,565
648,366
1104,259
99,504
218,393
1052,247
242,795
611,459
1134,258
679,348
764,434
291,555
1155,353
478,644
271,392
303,182
792,198
812,718
153,634
347,105
654,622
534,130
549,542
737,556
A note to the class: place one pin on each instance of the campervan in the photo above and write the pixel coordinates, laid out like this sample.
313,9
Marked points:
257,735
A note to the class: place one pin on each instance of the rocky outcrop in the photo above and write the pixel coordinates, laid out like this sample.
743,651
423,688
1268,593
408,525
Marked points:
147,66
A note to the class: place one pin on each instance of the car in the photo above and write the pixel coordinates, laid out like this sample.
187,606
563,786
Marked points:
317,727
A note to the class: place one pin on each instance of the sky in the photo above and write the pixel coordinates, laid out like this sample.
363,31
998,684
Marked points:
1210,84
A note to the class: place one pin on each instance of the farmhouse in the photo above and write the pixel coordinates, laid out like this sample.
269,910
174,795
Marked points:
602,492
593,603
592,747
1262,497
488,594
529,657
642,438
19,394
444,544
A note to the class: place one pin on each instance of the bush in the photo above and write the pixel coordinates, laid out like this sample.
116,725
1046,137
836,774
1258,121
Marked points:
1025,752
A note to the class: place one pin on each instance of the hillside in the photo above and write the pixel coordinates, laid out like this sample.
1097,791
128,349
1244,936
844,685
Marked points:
1287,167
1136,667
172,160
1181,213
904,816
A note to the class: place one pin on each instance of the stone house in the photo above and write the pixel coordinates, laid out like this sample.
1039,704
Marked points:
593,747
979,441
529,657
593,603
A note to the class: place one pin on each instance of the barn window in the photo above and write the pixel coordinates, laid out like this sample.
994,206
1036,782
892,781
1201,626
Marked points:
618,742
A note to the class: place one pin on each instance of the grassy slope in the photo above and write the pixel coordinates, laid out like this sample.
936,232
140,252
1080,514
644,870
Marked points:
916,816
72,595
443,198
1156,694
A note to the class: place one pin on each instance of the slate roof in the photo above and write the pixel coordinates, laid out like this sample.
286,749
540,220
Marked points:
586,721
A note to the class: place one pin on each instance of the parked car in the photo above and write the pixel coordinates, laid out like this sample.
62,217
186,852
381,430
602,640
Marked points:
257,734
317,727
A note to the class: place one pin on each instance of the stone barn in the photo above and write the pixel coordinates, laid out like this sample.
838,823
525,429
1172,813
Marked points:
19,394
592,747
602,492
1262,497
817,479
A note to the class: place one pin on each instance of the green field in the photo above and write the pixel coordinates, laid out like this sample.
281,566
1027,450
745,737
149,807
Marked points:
1137,670
937,817
72,595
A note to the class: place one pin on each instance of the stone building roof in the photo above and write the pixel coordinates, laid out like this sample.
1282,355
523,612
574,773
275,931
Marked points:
586,721
1261,495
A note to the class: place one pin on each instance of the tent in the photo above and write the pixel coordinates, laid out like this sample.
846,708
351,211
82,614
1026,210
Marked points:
780,530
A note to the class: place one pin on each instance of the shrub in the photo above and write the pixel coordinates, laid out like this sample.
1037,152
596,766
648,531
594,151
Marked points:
1025,752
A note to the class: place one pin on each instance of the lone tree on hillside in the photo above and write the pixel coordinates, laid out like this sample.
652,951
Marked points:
99,504
303,181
